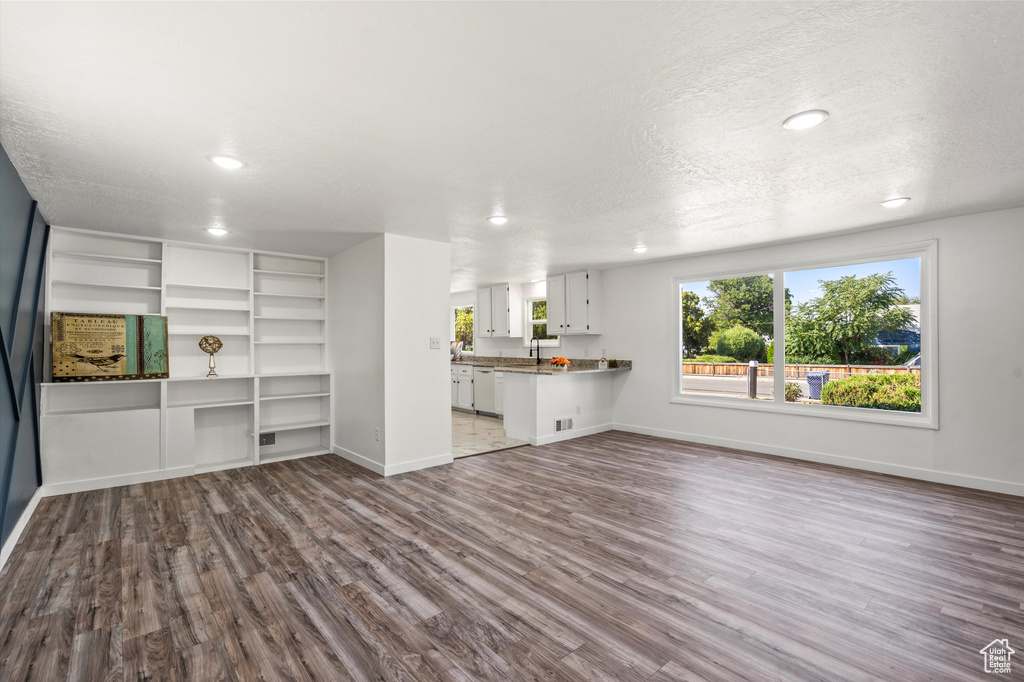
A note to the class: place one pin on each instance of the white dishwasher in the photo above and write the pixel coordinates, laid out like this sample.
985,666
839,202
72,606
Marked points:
483,389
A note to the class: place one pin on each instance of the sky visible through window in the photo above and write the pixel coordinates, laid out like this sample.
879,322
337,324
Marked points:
803,284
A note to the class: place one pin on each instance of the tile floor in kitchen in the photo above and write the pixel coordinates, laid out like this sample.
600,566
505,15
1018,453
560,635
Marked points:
473,434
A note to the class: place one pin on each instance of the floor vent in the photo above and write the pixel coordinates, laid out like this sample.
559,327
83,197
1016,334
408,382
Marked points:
563,424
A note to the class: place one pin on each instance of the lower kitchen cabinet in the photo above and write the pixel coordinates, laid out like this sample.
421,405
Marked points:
464,388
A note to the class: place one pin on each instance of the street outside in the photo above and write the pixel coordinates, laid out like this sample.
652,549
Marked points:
734,386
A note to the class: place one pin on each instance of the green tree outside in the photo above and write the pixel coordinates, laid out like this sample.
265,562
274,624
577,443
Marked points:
696,326
464,326
745,301
842,325
539,311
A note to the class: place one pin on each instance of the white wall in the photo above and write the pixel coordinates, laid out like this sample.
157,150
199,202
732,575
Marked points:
355,323
417,388
980,440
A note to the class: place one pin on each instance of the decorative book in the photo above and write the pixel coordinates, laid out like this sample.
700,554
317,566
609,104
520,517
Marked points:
94,347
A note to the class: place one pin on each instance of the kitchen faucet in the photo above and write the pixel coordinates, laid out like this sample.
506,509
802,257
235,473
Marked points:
538,348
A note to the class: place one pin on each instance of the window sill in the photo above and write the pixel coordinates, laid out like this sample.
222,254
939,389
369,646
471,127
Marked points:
917,421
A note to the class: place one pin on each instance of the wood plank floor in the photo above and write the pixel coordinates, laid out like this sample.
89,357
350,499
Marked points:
610,557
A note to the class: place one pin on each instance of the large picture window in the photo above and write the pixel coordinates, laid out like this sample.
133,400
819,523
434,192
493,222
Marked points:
728,332
853,337
839,339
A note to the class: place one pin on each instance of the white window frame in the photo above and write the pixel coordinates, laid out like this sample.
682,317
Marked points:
529,322
928,418
451,326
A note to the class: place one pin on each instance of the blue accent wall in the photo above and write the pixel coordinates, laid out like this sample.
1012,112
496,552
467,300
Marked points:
23,237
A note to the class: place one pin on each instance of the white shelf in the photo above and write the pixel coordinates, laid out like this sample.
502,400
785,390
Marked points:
201,405
203,331
97,410
244,308
220,466
285,273
270,375
294,342
293,426
293,454
290,319
267,293
103,257
292,396
104,286
206,286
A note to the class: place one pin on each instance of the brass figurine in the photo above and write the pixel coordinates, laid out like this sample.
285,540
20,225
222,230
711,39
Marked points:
211,344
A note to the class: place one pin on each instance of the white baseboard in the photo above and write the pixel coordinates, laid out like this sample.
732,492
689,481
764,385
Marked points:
19,527
519,435
50,489
556,437
987,484
392,469
356,458
575,433
417,464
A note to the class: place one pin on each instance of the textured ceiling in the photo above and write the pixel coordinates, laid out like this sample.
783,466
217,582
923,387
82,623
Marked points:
595,126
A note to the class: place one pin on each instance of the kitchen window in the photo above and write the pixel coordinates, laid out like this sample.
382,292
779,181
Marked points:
536,311
848,337
462,326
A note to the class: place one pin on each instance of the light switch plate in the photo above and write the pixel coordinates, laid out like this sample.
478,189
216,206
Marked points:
435,342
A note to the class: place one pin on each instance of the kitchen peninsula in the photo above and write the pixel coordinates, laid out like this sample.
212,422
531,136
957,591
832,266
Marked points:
544,405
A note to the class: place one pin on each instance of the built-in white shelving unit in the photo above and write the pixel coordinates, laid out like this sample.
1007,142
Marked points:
268,309
297,410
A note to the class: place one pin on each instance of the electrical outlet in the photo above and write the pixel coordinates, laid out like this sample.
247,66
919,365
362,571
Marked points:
435,342
268,438
578,412
376,435
604,352
586,352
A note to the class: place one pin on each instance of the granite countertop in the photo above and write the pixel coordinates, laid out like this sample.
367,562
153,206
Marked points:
530,366
547,370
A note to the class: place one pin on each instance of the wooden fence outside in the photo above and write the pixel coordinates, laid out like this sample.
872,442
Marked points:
724,369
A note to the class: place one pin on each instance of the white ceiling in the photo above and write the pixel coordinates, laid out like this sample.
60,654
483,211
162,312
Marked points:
595,126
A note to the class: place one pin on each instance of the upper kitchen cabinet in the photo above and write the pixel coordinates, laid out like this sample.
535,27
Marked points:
574,303
498,311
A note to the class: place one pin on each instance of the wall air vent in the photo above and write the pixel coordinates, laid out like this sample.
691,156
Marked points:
563,424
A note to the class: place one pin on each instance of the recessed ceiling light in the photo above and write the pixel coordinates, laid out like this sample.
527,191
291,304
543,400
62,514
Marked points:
639,249
227,162
497,220
217,231
895,203
805,119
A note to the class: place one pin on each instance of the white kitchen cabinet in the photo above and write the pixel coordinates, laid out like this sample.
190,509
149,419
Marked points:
574,303
499,393
482,314
556,304
464,388
455,387
498,311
